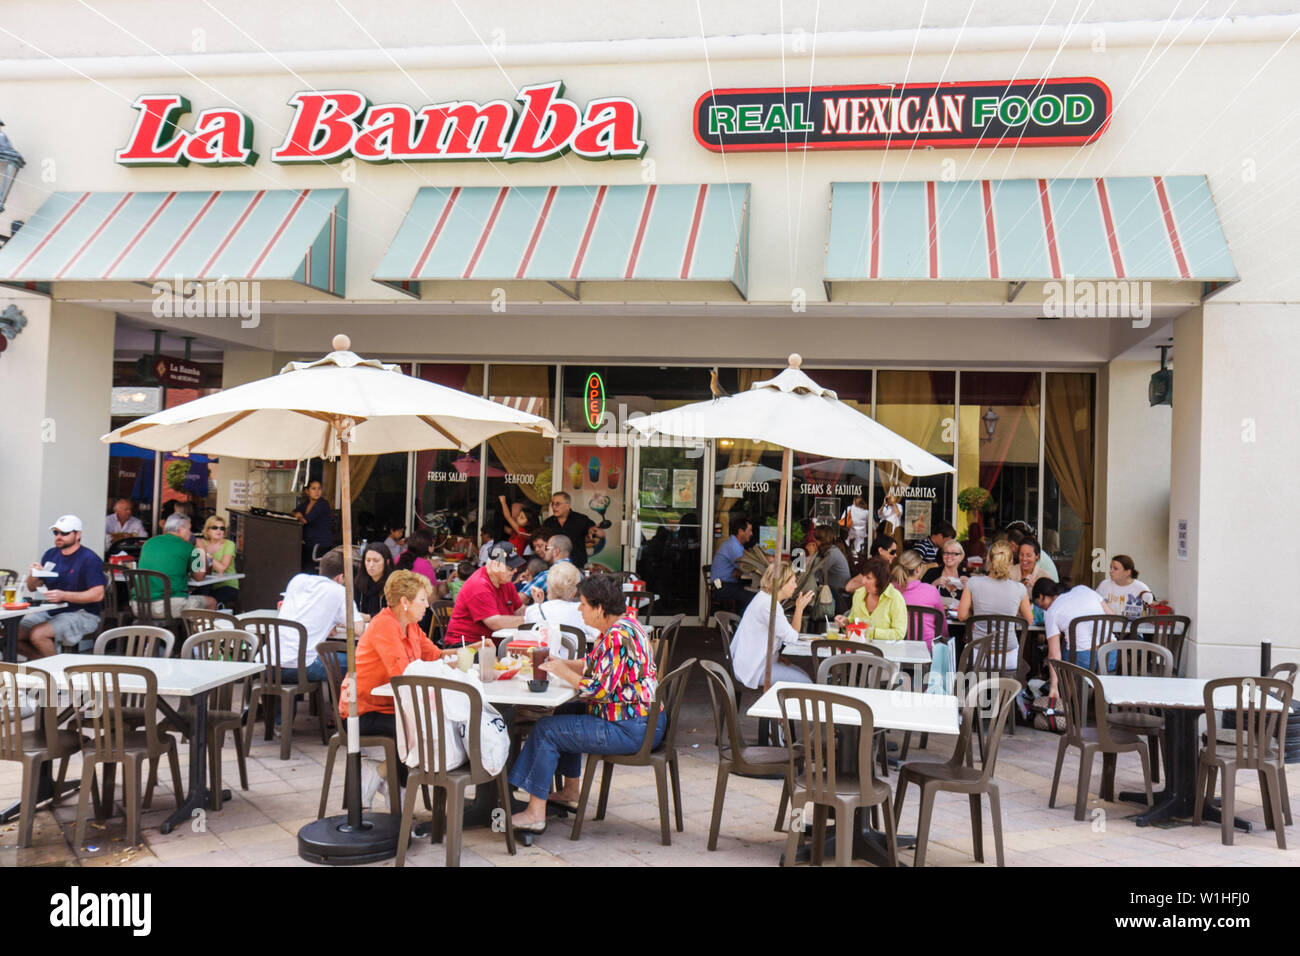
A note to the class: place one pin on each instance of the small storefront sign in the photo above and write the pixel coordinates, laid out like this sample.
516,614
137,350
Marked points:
1065,111
594,401
332,125
177,373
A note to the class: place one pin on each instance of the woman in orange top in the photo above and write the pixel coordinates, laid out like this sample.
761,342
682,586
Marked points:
391,641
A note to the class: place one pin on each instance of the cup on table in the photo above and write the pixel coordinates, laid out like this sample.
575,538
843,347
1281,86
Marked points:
11,593
539,681
465,658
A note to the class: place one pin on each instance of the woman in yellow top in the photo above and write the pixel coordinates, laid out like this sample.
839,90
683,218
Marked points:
879,602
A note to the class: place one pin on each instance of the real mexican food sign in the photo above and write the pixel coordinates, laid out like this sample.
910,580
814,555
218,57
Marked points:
1066,111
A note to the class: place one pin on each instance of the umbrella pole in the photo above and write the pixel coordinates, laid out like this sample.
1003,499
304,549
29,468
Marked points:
352,780
356,837
786,459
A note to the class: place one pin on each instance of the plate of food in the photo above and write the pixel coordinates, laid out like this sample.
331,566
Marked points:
16,607
506,668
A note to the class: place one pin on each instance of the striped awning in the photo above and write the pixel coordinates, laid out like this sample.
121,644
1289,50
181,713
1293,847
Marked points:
297,235
1141,227
559,234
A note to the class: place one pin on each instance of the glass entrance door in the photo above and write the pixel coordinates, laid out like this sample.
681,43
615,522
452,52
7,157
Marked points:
672,508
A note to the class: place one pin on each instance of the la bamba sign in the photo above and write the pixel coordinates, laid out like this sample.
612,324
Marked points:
1066,111
331,125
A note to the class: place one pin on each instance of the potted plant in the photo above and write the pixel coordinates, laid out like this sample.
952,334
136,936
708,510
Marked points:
975,501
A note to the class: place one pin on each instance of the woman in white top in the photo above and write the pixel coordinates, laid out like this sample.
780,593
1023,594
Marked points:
561,605
749,645
857,513
1122,591
996,593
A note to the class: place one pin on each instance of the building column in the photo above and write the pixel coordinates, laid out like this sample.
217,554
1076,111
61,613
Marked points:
1132,473
1235,454
56,383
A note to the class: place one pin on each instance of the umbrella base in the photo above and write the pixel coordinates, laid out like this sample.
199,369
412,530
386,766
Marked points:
333,843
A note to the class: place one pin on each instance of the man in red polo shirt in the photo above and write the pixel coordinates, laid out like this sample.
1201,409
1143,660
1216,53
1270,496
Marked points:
487,601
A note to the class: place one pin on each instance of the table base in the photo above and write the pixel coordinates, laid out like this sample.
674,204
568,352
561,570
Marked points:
1175,804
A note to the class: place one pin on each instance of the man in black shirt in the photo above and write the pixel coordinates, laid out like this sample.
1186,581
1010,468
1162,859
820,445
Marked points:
578,528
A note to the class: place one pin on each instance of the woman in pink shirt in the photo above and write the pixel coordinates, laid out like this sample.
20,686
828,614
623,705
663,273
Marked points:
923,595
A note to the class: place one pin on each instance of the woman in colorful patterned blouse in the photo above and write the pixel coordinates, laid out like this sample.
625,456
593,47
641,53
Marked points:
616,684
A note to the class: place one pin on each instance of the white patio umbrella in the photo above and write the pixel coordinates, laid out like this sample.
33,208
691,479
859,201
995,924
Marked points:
330,408
795,412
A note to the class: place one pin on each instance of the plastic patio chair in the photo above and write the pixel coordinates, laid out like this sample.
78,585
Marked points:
823,782
666,636
1138,659
858,669
419,705
138,587
953,776
667,699
272,684
32,748
1167,630
222,644
441,618
1075,683
198,620
110,737
734,755
1259,744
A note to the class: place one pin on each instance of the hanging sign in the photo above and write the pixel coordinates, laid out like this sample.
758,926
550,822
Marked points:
176,373
331,125
1048,112
594,407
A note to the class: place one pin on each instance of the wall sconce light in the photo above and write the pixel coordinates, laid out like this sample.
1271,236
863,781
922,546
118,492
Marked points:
990,420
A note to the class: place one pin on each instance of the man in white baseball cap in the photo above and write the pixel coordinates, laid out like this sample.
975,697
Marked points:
77,580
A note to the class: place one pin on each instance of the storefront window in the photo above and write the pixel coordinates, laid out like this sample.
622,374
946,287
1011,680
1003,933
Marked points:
747,484
823,488
999,438
447,481
378,489
918,405
519,465
1068,479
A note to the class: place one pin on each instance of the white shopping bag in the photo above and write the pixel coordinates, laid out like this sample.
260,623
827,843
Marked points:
493,736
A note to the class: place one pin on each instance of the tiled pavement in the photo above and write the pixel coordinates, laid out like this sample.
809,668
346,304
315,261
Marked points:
258,827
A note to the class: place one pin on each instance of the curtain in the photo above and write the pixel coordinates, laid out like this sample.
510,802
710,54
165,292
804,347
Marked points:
520,454
906,393
359,469
1068,446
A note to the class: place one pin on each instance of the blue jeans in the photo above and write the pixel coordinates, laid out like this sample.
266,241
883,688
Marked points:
558,743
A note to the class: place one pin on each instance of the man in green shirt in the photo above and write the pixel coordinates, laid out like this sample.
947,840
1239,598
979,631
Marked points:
172,553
